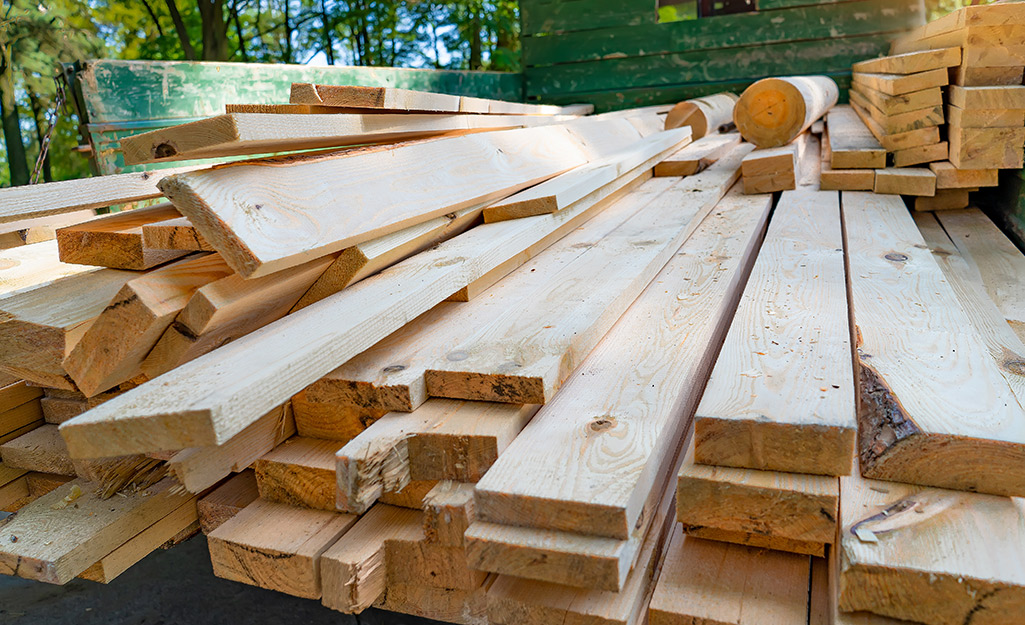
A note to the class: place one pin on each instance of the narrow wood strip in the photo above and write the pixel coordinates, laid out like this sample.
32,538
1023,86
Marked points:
116,240
697,156
227,500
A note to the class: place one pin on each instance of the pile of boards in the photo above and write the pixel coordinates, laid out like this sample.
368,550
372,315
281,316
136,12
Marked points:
569,369
948,108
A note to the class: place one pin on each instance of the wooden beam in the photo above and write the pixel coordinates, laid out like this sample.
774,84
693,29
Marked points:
769,170
541,480
412,560
986,148
908,407
33,266
778,386
899,141
502,163
945,199
227,500
174,234
448,511
451,605
698,155
896,84
20,420
116,241
911,62
1002,97
276,546
704,115
897,123
985,118
906,181
16,394
353,571
601,286
334,422
40,450
921,155
851,144
903,103
774,111
974,76
299,472
112,350
64,532
42,324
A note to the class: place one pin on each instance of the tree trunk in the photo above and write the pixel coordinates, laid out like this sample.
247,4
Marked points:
16,160
153,14
215,30
288,32
329,44
183,33
39,116
238,30
476,46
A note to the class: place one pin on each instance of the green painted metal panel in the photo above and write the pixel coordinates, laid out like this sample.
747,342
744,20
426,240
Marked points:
815,22
752,62
570,15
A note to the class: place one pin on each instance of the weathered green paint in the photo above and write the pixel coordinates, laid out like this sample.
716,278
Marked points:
569,15
752,62
768,5
823,21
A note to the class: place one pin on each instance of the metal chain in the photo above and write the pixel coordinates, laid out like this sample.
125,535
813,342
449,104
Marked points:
58,105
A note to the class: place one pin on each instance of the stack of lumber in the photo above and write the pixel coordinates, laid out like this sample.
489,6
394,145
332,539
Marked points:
567,372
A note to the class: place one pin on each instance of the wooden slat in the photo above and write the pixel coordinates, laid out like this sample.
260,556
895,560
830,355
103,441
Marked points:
778,385
1002,97
334,422
898,104
851,144
40,450
921,154
906,313
116,240
16,394
985,118
448,511
174,234
227,500
276,546
583,301
450,605
34,265
945,199
897,123
641,394
974,76
911,62
906,181
222,203
299,472
697,156
896,84
986,148
112,350
57,541
900,141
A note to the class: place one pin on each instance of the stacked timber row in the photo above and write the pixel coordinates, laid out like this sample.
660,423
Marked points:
563,370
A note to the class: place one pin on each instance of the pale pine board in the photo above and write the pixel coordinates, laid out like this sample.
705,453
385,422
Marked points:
697,156
851,144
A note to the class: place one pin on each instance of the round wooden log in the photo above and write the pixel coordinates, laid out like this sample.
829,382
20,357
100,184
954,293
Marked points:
703,115
773,111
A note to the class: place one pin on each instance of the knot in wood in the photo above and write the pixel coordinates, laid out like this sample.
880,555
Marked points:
1016,367
457,355
394,368
602,424
896,257
164,150
7,263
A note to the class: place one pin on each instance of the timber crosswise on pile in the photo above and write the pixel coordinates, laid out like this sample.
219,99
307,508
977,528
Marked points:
491,362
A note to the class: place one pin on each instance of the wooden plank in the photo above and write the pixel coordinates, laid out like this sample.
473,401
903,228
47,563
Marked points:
64,532
974,76
16,394
29,231
174,234
409,496
774,111
899,141
330,333
116,240
897,123
413,561
950,177
847,179
377,461
34,265
906,181
986,148
930,555
921,155
782,508
451,605
777,385
19,421
8,474
911,62
41,450
896,84
199,468
985,118
112,350
945,199
698,155
334,422
851,144
904,103
299,472
276,546
503,163
1001,97
353,572
227,500
768,170
226,308
42,324
235,134
448,511
583,301
642,397
908,408
704,581
563,190
15,495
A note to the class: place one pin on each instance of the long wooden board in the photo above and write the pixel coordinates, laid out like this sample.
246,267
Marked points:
116,240
896,84
911,62
906,313
851,144
697,156
33,265
299,472
904,103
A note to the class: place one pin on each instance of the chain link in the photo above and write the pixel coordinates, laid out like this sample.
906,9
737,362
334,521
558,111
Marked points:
58,105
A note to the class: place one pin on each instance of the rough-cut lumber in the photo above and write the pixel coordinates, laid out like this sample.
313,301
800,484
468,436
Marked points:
174,234
851,144
448,511
15,495
842,179
898,123
524,356
412,560
950,177
974,76
945,199
697,156
276,546
199,468
774,111
561,191
783,508
904,103
40,450
704,581
39,229
377,461
359,261
912,404
112,350
19,420
779,398
985,118
226,308
17,393
930,555
227,500
1002,97
66,196
994,258
704,115
986,148
41,325
896,84
239,208
335,422
299,472
353,572
558,472
390,375
911,62
64,532
920,154
450,605
774,169
906,181
899,141
236,134
409,496
34,265
305,345
106,569
116,240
